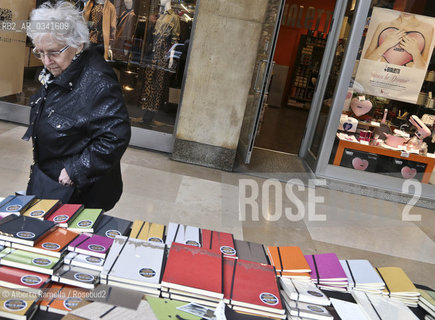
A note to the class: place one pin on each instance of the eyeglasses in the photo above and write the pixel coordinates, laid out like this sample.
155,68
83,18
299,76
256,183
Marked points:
50,54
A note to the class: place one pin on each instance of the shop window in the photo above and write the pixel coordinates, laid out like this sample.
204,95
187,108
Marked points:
387,121
149,41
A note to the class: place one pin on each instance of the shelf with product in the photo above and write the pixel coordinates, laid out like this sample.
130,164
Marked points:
308,60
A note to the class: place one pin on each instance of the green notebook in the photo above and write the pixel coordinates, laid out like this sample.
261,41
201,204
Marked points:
86,221
166,309
28,260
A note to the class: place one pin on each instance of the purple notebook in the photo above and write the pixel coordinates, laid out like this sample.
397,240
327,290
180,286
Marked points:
91,244
326,268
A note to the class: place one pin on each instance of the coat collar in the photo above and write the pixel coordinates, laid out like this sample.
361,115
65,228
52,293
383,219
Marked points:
68,78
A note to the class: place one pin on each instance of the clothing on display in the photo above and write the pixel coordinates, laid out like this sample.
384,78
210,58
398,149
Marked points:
121,46
102,23
155,88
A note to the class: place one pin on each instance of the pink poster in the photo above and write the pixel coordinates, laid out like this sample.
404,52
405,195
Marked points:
396,54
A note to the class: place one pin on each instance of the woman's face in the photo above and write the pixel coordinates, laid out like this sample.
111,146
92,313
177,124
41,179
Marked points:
56,63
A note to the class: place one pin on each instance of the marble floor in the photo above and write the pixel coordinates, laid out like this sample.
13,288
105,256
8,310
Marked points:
319,220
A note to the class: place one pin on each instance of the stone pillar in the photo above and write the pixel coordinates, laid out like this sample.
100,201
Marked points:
222,60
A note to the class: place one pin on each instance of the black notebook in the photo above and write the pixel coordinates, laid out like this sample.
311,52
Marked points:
22,229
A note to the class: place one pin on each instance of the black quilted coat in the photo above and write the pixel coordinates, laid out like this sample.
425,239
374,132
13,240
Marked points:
79,122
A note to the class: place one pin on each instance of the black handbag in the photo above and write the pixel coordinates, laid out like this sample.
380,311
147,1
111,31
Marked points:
43,187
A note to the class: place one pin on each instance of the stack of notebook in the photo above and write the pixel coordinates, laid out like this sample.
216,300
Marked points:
15,305
362,276
427,300
134,264
251,287
149,231
61,298
180,233
250,251
398,286
327,272
289,262
193,274
303,299
219,242
15,204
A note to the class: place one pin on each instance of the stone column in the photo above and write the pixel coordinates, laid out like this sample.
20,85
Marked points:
221,65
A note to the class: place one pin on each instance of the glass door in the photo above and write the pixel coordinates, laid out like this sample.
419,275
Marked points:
328,75
259,91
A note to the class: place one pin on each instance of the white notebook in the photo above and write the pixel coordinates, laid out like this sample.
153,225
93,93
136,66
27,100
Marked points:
183,234
360,273
304,291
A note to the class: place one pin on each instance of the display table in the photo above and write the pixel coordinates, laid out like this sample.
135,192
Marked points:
343,144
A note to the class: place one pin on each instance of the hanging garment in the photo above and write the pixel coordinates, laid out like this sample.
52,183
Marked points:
155,88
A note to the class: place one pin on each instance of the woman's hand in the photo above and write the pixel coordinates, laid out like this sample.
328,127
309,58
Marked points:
410,45
64,178
392,39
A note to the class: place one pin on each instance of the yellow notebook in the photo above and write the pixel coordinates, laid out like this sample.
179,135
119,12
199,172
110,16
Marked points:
16,304
42,208
147,231
397,282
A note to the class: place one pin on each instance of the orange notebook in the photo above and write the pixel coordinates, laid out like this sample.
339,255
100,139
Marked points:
61,298
288,259
52,244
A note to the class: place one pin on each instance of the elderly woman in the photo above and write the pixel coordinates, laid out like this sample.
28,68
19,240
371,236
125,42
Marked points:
78,122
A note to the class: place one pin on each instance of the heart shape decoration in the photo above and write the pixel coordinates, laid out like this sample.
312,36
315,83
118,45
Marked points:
397,55
347,126
360,164
408,173
360,107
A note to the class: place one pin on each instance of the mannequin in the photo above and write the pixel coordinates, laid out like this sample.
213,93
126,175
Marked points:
124,32
155,88
101,16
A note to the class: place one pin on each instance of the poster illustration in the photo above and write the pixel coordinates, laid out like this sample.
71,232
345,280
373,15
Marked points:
12,45
396,54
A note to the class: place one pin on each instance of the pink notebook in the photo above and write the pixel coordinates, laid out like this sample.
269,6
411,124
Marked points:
326,267
91,244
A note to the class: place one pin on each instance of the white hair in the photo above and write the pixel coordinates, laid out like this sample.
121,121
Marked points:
63,21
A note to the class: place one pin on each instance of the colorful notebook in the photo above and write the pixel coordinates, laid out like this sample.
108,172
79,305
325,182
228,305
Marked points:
15,204
42,208
250,251
112,226
194,270
253,286
24,230
140,263
180,233
326,269
53,243
147,231
23,280
16,305
87,220
28,260
288,259
62,299
91,244
65,214
76,276
220,242
167,309
398,286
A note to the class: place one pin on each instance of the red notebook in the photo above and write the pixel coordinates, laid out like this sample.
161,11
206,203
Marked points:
220,242
65,214
194,270
23,280
252,285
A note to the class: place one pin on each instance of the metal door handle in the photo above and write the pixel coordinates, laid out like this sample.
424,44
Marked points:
260,64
